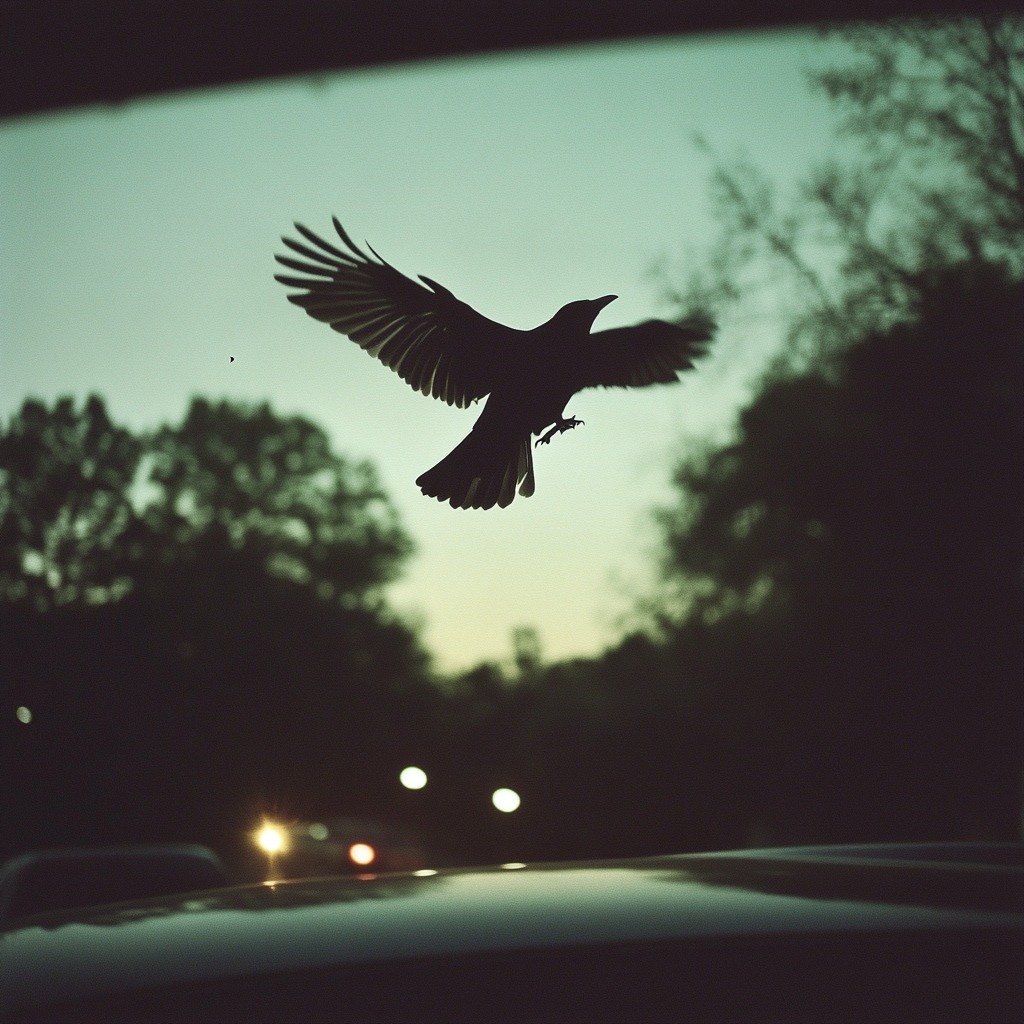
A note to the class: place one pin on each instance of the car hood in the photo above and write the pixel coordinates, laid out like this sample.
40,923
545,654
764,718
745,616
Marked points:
294,925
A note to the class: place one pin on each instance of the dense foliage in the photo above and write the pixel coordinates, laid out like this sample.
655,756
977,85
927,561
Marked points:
195,620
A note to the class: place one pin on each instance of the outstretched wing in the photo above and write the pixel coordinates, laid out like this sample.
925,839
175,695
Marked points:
432,340
649,353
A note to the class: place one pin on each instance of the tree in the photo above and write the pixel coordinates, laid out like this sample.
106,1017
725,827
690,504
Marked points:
65,504
196,620
90,512
270,492
527,652
849,564
932,117
866,523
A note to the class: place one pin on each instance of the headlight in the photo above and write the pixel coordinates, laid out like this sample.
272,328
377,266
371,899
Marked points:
271,839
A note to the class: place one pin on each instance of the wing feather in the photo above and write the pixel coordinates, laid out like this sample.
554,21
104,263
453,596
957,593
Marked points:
653,352
436,343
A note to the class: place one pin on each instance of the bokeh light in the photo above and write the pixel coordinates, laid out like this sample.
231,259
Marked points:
24,715
412,777
271,838
506,800
362,854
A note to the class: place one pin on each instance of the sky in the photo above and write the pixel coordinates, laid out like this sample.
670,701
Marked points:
136,259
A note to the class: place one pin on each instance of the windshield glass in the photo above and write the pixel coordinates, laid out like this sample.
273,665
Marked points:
775,601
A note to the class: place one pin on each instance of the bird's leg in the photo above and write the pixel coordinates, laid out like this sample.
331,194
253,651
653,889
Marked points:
559,426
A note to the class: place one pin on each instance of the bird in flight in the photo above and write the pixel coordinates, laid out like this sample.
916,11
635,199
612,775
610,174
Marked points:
443,347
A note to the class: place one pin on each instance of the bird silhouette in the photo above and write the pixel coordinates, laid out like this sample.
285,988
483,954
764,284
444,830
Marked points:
443,347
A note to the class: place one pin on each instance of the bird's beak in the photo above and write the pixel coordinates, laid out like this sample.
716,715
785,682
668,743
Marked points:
603,301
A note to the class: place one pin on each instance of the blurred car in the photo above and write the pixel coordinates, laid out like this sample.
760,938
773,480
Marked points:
61,879
339,846
929,933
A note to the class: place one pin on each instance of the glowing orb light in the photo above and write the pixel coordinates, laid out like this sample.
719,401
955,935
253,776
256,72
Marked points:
362,854
271,838
506,800
412,777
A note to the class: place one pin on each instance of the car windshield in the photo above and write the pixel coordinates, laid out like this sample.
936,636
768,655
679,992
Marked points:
752,574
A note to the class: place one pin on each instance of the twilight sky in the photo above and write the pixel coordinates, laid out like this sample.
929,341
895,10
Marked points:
137,258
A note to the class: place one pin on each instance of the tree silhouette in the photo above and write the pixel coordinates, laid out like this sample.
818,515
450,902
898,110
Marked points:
931,119
270,492
868,519
65,504
846,571
91,512
196,619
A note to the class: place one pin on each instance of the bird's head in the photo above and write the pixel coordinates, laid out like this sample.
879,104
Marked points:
581,314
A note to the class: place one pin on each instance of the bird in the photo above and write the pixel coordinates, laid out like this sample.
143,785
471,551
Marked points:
444,348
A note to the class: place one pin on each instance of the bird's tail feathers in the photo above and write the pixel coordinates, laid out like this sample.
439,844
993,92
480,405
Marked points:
478,474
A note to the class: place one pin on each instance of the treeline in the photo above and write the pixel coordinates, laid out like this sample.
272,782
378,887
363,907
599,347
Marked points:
837,655
194,621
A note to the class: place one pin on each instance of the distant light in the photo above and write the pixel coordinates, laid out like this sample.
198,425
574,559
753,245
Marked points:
506,800
318,830
271,838
362,854
24,715
425,872
513,865
412,777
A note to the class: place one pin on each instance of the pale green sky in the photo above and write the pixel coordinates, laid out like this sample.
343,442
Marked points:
137,256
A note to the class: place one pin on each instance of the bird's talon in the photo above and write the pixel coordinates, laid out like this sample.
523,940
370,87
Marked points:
559,427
